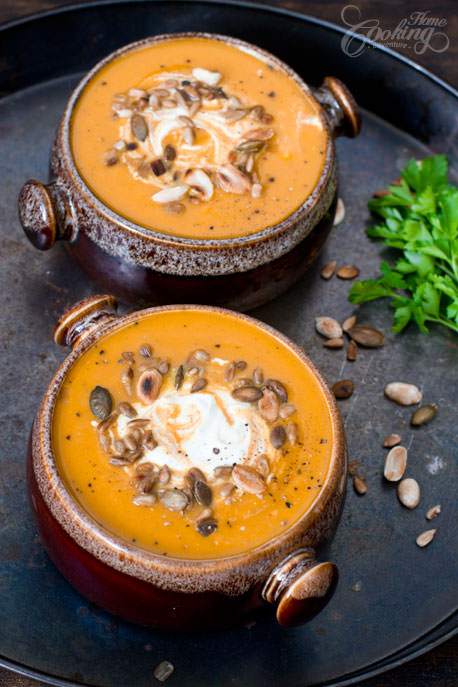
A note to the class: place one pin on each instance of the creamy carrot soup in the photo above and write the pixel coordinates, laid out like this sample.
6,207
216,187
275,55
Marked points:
192,434
199,138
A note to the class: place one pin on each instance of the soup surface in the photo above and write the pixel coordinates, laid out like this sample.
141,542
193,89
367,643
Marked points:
198,138
192,434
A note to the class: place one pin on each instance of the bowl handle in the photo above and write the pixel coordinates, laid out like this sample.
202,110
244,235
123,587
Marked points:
45,214
340,106
299,587
83,318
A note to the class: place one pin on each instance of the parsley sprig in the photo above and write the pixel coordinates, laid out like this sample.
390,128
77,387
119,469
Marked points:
421,220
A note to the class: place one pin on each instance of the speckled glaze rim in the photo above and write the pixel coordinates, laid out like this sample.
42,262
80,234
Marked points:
232,574
171,240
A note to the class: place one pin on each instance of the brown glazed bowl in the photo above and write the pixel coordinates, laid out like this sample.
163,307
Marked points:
152,589
143,266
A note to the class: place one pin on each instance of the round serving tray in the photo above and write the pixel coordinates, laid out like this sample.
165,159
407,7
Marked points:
406,601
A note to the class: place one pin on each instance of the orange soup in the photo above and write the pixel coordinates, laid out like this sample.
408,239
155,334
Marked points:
197,137
192,434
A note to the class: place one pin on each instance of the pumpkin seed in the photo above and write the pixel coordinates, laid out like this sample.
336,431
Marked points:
340,212
202,493
179,377
247,479
207,527
349,323
277,436
247,394
138,127
194,475
425,538
334,343
146,350
352,351
269,406
199,384
391,440
100,402
287,410
423,414
174,499
148,385
433,512
403,394
359,485
328,270
328,327
395,463
127,410
144,500
279,389
409,492
347,272
343,389
292,432
164,475
366,336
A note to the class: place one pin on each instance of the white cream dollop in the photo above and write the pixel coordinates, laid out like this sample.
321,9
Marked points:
204,430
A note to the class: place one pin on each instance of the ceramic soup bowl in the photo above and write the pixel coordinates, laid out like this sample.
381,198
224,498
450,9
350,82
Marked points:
193,163
181,479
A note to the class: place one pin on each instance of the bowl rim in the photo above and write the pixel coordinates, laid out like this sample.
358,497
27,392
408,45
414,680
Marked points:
93,537
154,235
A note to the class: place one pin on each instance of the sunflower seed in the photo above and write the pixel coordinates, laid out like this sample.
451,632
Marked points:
328,327
148,385
223,472
163,671
425,538
127,410
189,135
144,482
144,500
128,356
248,480
119,461
107,422
366,336
423,414
334,343
279,389
277,436
164,475
262,465
409,492
395,464
349,323
138,127
258,375
148,441
343,388
251,146
352,351
340,212
328,270
403,394
169,103
144,469
353,468
175,208
201,355
110,158
105,442
287,410
262,134
179,377
174,499
347,272
100,402
391,440
256,190
146,350
359,485
292,432
198,385
234,114
269,406
226,489
433,512
247,394
241,365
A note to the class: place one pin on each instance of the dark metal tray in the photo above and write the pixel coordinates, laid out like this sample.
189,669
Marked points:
407,600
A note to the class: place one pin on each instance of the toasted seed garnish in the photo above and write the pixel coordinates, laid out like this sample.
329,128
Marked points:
194,475
193,371
395,463
256,190
148,441
403,394
131,442
247,394
110,158
158,167
391,440
366,336
277,436
409,492
233,114
144,482
169,103
340,212
253,146
248,479
423,414
349,323
359,485
226,489
292,432
171,194
148,364
334,343
353,467
138,127
163,671
268,406
200,183
148,385
328,327
105,441
223,472
132,456
199,384
347,272
163,367
241,365
329,269
174,499
202,493
119,461
175,208
179,377
258,375
287,410
425,538
262,465
144,500
201,355
146,350
232,180
129,356
127,410
261,134
279,388
144,469
100,402
343,388
433,512
126,379
207,527
229,372
169,153
164,475
107,422
352,350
